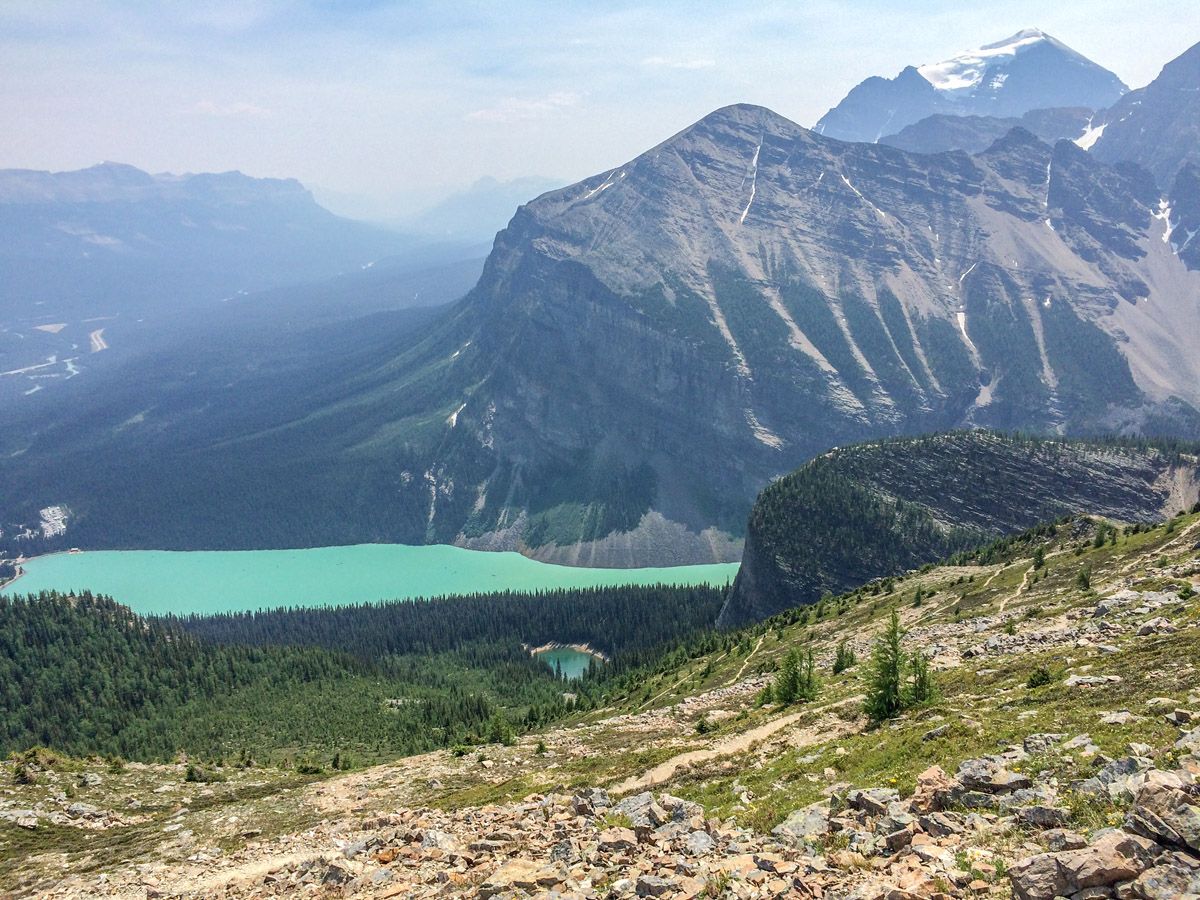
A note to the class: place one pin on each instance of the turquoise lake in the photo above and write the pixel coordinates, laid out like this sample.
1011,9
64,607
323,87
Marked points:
211,581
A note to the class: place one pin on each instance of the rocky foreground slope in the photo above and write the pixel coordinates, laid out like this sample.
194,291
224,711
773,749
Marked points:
880,508
1059,760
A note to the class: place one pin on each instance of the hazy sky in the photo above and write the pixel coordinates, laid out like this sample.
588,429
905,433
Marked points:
400,101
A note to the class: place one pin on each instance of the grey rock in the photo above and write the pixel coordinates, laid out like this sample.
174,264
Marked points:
1043,816
1091,680
441,840
1058,839
941,824
1042,742
643,810
1167,882
1166,814
1159,625
654,886
1114,857
700,843
564,851
804,826
989,776
873,801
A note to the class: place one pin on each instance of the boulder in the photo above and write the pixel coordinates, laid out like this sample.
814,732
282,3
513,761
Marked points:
874,801
699,843
988,775
1121,717
1064,839
617,839
1190,742
1091,680
1042,742
941,824
643,810
440,840
804,826
1167,814
654,886
519,873
1043,817
932,786
934,733
1157,625
1176,878
1115,856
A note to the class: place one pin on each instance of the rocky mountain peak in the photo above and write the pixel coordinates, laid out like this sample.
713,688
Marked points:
1029,70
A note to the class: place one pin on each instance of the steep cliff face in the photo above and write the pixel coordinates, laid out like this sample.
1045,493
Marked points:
881,508
1158,126
659,340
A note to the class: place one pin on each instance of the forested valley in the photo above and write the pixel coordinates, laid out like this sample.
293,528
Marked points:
304,687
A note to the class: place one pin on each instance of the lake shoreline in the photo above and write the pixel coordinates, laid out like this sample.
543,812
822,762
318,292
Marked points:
578,648
206,582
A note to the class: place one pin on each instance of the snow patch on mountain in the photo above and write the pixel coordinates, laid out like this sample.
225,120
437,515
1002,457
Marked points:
966,70
1090,135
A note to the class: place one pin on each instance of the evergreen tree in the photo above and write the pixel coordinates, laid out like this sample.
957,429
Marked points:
923,690
787,683
844,657
809,685
886,677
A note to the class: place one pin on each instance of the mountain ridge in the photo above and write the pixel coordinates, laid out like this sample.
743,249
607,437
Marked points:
1029,70
1158,126
647,348
881,508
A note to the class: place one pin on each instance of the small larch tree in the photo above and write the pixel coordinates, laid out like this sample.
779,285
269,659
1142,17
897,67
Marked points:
885,680
843,658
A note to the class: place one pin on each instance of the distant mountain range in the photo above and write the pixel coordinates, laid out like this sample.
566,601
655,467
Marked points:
71,242
974,134
477,213
1030,70
648,348
106,263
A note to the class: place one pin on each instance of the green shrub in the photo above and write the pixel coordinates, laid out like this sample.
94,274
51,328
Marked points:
1039,677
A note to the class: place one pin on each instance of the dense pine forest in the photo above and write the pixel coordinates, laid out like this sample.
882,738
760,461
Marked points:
622,622
84,675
